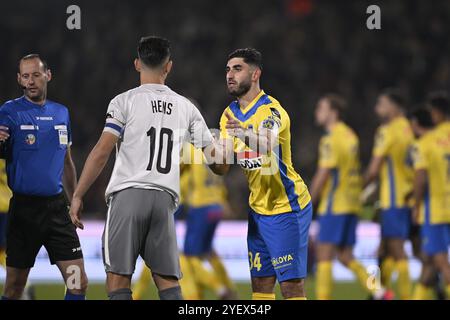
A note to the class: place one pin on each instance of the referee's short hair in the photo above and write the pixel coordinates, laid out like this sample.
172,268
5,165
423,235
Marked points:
440,101
30,57
153,51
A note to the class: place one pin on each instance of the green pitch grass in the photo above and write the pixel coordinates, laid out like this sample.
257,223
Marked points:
96,291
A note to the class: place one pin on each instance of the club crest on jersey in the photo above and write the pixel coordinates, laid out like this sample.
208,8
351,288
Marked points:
30,139
268,123
249,160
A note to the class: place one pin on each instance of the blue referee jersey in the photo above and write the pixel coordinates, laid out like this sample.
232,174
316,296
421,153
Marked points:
35,151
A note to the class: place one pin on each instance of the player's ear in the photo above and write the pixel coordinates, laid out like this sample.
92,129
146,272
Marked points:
137,65
169,66
256,74
18,79
48,73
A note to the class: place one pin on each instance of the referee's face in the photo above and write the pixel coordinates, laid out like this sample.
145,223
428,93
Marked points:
33,78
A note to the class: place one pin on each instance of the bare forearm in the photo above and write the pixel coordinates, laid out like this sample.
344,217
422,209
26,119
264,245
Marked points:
373,171
94,165
318,183
419,187
69,178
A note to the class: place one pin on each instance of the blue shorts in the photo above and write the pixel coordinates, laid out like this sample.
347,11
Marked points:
339,230
179,213
278,244
396,223
201,224
3,220
435,238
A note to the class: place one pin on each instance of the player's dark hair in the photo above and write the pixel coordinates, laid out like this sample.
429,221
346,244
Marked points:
395,96
33,56
250,56
153,51
440,101
423,118
337,103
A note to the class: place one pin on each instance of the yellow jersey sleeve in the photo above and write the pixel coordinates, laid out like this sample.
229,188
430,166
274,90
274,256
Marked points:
327,156
382,142
223,121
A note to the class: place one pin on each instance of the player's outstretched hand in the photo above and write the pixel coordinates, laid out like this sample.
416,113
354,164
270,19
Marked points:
233,126
4,133
75,212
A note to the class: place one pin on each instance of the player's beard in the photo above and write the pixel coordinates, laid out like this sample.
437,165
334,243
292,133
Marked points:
241,89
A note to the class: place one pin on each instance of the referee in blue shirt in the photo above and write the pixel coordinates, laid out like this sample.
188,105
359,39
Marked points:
36,138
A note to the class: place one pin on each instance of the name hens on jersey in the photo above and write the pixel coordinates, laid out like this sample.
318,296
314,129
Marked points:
160,106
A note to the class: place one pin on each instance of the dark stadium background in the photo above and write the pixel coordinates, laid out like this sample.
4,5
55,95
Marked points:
309,47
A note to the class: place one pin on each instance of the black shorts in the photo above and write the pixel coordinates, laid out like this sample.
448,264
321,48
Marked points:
34,222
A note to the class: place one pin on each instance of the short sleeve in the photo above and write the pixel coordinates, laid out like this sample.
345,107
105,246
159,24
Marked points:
382,143
115,117
327,154
6,119
200,136
69,129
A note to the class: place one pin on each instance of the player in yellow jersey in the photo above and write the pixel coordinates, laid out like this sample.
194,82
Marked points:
337,187
422,124
206,199
432,187
5,195
258,130
390,153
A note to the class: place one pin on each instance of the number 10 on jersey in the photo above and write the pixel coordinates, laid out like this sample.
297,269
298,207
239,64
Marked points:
168,150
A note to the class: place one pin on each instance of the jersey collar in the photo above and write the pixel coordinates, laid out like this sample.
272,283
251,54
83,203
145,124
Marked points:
32,104
244,115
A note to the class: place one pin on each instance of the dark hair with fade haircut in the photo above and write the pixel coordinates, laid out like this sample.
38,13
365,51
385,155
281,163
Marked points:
423,118
30,57
439,100
250,56
153,51
396,96
337,103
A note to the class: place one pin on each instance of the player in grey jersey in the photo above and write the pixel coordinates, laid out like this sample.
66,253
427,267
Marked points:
152,122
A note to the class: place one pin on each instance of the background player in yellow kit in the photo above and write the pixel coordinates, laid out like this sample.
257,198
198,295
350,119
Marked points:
392,142
258,129
145,278
432,187
206,201
5,195
203,198
422,124
337,186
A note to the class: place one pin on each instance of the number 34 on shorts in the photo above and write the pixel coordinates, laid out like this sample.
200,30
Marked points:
255,262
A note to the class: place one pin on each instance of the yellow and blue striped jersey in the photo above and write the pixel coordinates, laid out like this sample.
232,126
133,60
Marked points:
432,153
275,187
339,151
392,142
5,192
203,187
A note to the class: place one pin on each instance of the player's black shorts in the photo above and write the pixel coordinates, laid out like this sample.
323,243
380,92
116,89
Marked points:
34,222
